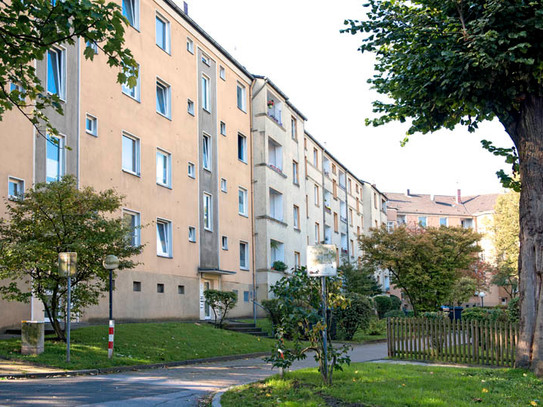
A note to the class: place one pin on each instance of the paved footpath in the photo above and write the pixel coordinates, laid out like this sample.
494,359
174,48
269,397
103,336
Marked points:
176,386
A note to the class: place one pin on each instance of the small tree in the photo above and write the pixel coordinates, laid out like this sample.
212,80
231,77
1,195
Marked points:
220,302
359,278
54,218
355,316
300,301
463,289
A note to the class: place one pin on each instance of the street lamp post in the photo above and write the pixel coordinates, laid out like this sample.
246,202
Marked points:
111,262
482,296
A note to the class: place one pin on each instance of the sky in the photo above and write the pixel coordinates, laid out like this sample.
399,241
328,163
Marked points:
297,44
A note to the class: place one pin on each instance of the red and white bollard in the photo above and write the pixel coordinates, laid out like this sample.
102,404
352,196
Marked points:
111,337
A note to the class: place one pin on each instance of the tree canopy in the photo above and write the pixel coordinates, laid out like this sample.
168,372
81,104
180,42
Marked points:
28,29
54,218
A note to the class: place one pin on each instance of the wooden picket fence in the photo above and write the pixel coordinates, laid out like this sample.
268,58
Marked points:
470,342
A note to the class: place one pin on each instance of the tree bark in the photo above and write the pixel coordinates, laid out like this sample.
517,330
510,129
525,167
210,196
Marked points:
527,133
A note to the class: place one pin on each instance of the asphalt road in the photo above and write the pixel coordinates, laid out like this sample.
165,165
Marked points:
177,386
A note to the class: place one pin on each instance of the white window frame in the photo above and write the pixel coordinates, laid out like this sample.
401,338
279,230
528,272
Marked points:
135,240
192,234
205,91
223,128
222,72
190,45
167,36
61,166
243,201
316,194
20,182
191,170
167,170
276,204
190,107
206,59
275,154
241,97
224,185
136,18
168,237
296,216
208,220
94,130
167,89
207,152
61,60
135,92
244,263
224,242
242,148
135,157
446,223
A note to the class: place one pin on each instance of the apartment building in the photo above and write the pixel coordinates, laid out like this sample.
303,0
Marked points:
475,212
177,146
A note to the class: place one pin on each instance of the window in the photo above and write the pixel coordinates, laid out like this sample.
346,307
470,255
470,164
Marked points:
205,93
241,97
277,250
342,179
344,246
222,73
297,260
163,238
343,211
205,59
225,243
131,154
315,158
56,72
317,233
163,99
246,296
55,158
19,88
275,155
191,170
402,220
132,220
275,108
181,289
92,45
224,185
208,212
293,131
244,256
295,177
296,217
325,165
336,225
163,33
160,288
223,128
190,45
136,286
16,188
91,125
334,188
390,226
163,168
316,195
192,234
349,186
276,205
327,200
131,12
206,152
327,235
352,248
375,200
350,216
443,222
334,169
190,107
242,148
133,92
242,201
422,221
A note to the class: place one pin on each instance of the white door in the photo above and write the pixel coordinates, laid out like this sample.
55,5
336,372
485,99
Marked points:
205,310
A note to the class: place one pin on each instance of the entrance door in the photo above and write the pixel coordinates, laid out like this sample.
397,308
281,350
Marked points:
205,309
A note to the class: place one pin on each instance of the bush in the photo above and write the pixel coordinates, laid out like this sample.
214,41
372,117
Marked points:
382,305
377,327
395,313
395,303
434,315
273,309
485,314
356,315
220,302
513,309
278,265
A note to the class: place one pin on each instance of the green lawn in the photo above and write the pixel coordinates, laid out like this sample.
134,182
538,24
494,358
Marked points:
371,384
140,344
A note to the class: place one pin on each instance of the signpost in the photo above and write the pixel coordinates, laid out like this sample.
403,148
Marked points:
111,262
322,262
67,266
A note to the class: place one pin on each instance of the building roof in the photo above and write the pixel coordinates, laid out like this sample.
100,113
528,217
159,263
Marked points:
440,204
281,93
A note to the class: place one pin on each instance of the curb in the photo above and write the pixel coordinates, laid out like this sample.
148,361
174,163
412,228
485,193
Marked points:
119,369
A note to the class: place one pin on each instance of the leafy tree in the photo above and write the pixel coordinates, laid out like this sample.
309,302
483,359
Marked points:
355,316
506,242
444,63
424,263
463,289
54,218
383,304
220,302
28,29
300,302
359,278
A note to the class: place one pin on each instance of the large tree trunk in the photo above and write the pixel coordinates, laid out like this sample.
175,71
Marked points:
527,133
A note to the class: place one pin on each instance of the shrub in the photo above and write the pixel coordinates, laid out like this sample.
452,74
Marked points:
395,303
273,308
434,315
356,315
220,302
395,313
278,265
382,305
485,314
377,327
513,309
